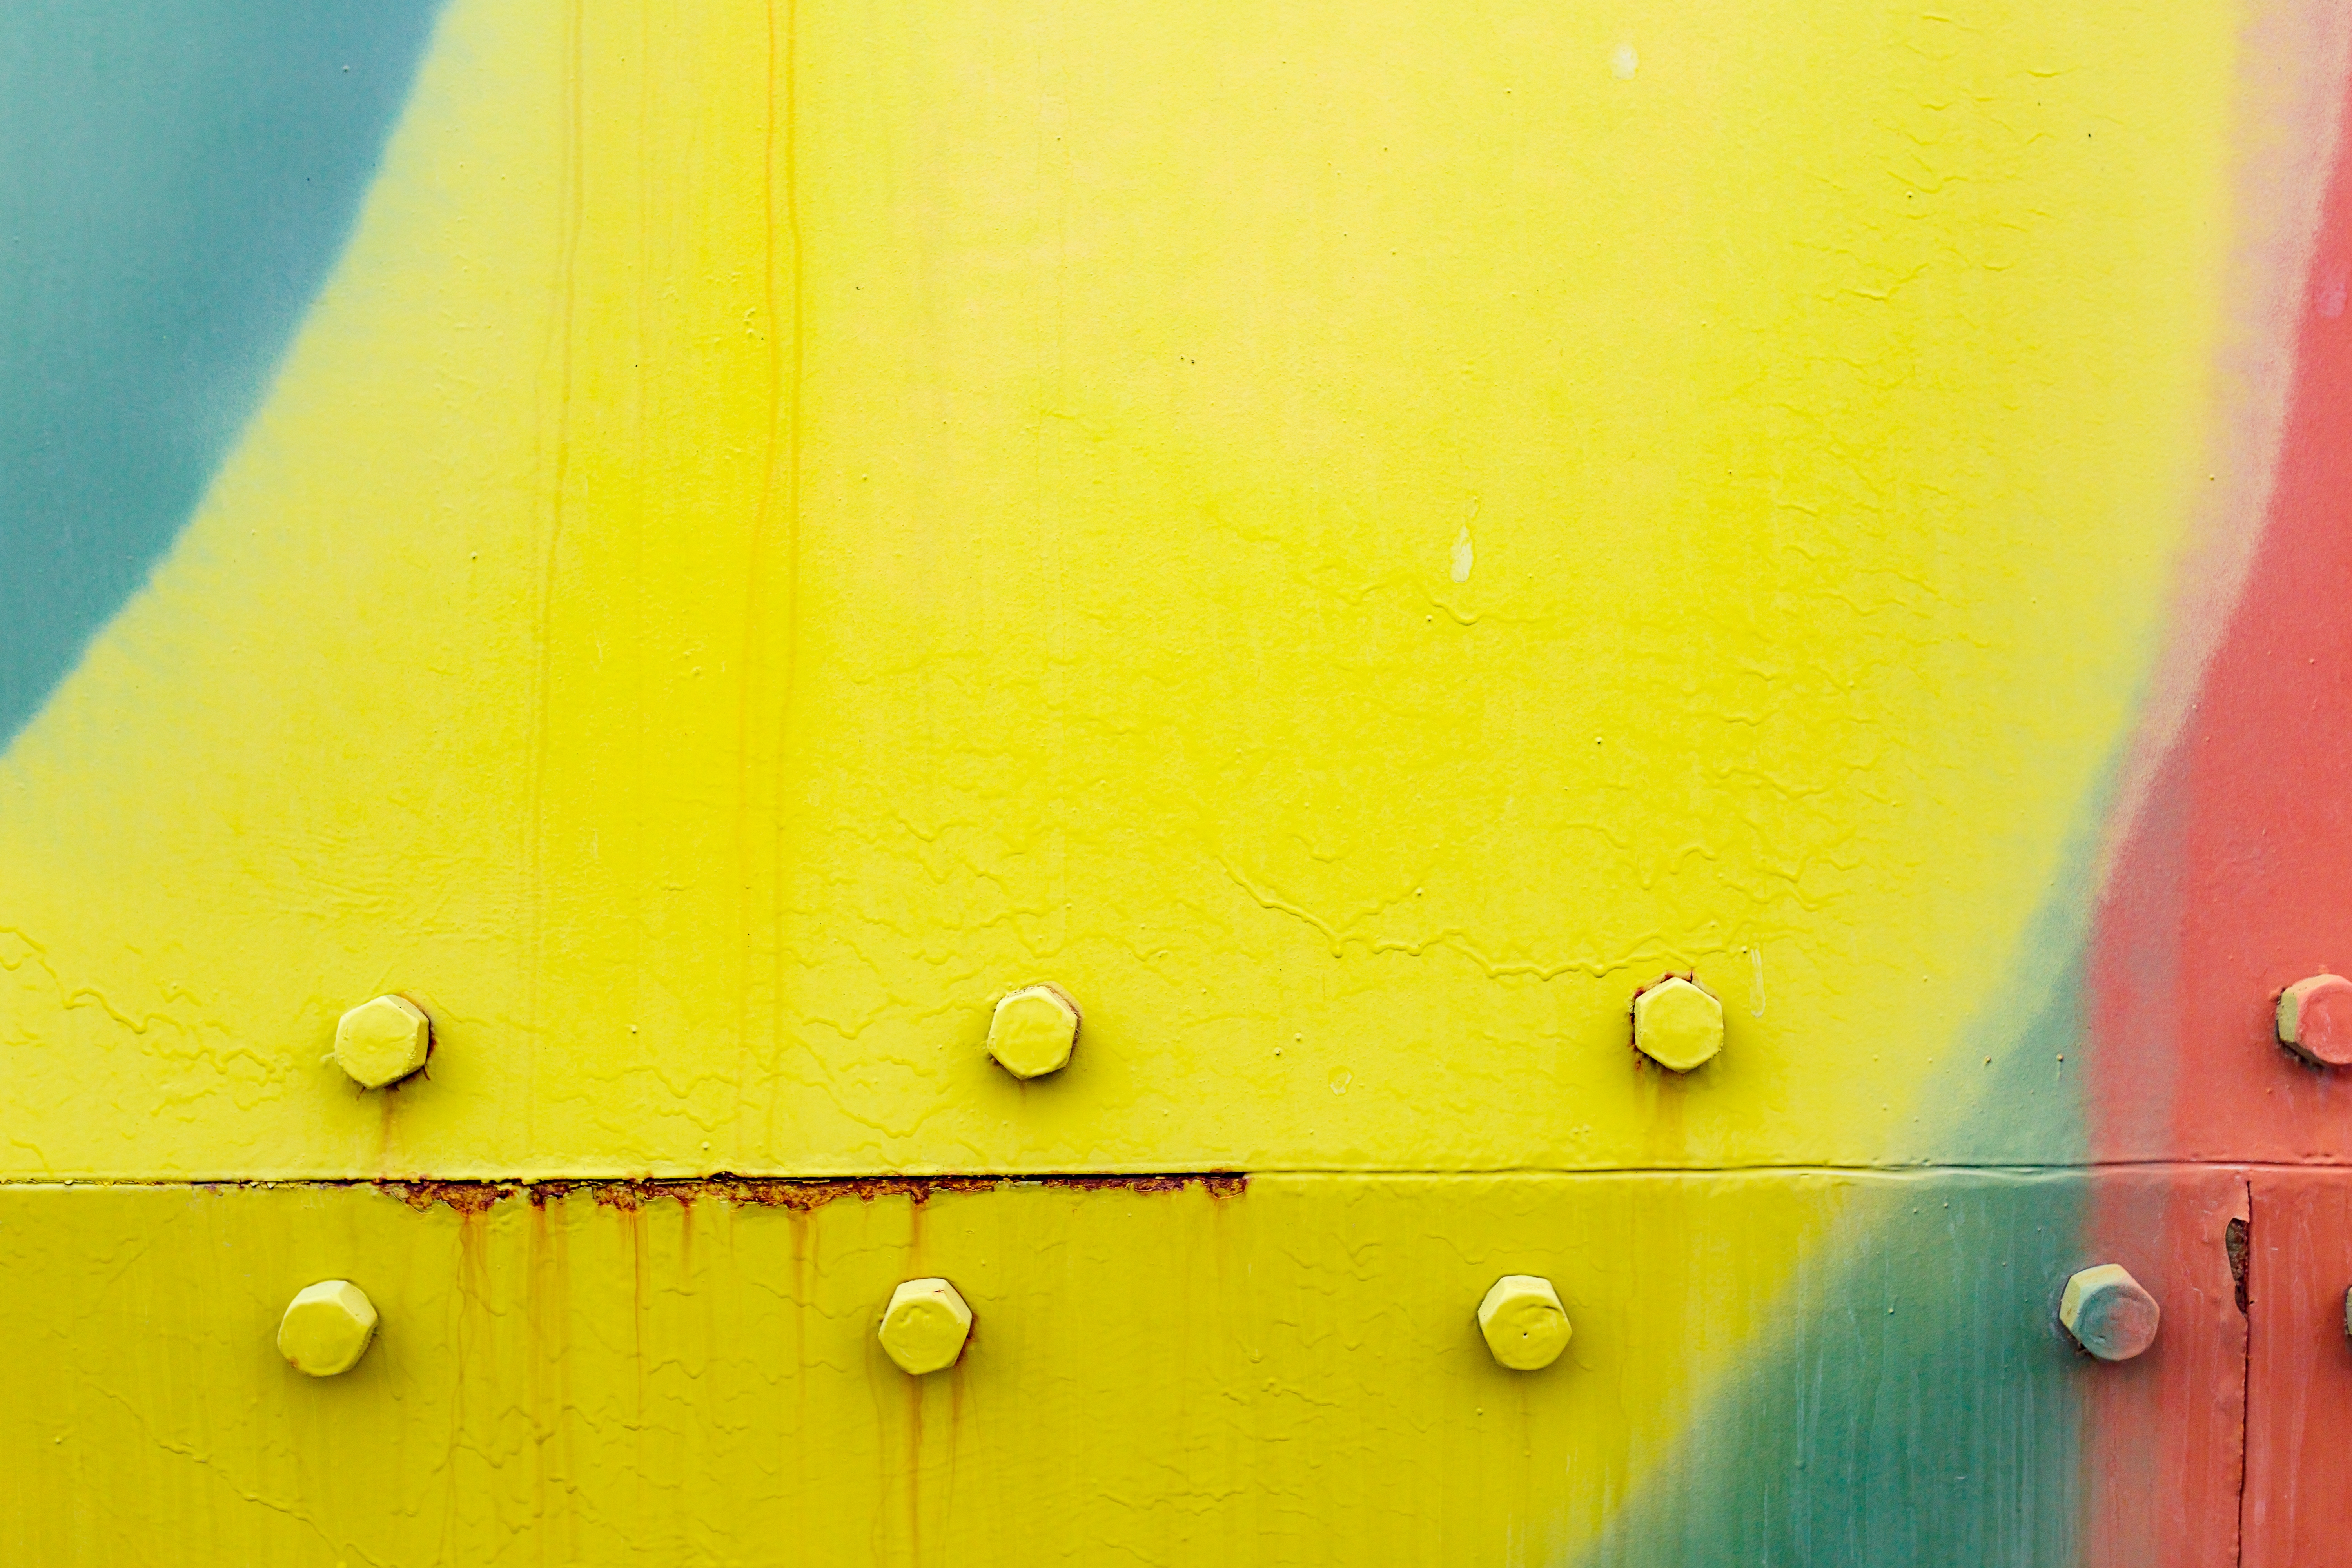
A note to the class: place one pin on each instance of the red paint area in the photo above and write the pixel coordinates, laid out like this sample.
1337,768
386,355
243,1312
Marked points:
2235,883
2299,1443
2237,878
2163,1432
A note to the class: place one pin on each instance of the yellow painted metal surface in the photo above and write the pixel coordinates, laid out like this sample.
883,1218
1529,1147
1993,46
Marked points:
1350,541
1292,1372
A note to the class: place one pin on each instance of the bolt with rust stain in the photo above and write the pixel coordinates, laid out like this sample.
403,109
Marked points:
2315,1020
925,1326
383,1040
1522,1323
1678,1024
1034,1031
2108,1312
327,1328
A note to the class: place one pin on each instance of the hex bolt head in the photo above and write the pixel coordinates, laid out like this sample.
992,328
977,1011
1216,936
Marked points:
1522,1323
2315,1020
1677,1025
1034,1031
925,1326
382,1041
2108,1312
327,1328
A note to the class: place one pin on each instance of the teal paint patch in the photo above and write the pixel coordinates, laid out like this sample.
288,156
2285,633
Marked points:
177,178
2017,1091
1919,1405
2028,1098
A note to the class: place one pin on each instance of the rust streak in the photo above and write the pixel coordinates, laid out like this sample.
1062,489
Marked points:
799,1193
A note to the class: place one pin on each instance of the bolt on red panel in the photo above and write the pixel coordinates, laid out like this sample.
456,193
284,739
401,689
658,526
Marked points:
2162,1432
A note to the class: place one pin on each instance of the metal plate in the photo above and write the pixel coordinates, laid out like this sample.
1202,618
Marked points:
1770,1368
2299,1383
1350,548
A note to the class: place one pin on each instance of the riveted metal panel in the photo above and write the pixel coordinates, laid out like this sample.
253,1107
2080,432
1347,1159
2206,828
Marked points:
1770,1368
1349,548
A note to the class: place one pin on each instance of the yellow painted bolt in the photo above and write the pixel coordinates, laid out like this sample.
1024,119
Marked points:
383,1041
327,1328
925,1326
1034,1031
1677,1025
1522,1323
2108,1312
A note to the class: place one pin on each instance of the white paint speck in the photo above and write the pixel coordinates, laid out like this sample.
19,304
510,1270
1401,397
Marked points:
1462,555
1756,981
1624,62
